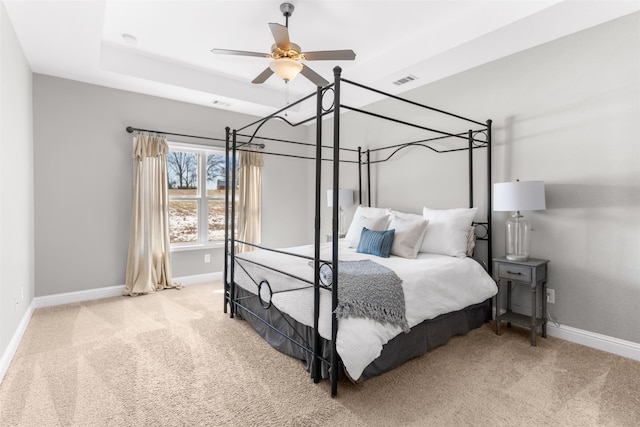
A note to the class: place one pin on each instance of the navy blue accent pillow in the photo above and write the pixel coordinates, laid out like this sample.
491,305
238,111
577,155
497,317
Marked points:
375,242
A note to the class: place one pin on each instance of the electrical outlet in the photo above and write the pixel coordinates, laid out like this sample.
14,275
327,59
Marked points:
207,258
551,296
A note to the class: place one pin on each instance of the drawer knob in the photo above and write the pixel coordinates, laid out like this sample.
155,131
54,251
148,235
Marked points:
514,272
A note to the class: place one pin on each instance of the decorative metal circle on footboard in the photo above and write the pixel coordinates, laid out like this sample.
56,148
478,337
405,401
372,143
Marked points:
326,274
480,138
481,230
266,304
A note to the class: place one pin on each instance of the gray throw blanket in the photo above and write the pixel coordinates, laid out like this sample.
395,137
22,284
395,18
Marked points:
368,289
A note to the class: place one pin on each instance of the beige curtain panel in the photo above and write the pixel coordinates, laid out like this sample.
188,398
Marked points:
149,261
249,196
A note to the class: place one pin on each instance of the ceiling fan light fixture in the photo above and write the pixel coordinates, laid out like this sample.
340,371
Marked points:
285,68
285,56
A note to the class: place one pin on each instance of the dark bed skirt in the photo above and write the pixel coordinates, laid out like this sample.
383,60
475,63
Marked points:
422,337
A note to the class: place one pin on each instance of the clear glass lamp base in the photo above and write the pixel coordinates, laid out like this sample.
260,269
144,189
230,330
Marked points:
518,238
513,257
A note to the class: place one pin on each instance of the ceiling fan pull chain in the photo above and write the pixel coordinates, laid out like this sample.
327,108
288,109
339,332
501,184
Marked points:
286,95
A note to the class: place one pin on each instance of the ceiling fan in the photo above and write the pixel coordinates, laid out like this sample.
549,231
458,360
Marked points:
286,56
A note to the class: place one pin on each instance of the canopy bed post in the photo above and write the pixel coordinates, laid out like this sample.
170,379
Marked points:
232,182
489,199
368,178
226,220
315,363
470,168
359,175
334,260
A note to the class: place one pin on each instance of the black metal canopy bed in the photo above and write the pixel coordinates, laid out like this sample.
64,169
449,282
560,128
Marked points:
397,285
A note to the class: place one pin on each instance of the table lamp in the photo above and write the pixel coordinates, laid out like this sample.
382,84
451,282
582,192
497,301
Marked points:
518,196
345,198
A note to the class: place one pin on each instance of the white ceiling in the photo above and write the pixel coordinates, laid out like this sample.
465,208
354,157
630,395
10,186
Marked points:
82,40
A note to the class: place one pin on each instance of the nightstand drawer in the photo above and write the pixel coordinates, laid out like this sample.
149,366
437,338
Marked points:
514,272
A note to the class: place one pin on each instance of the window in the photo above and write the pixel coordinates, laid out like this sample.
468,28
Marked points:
196,178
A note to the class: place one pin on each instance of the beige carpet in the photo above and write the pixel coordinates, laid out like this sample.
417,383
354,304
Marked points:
174,359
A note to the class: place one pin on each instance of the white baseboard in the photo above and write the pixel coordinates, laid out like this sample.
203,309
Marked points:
113,291
628,349
12,347
79,296
606,343
199,278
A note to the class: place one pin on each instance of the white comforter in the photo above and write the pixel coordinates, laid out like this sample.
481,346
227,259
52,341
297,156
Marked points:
432,284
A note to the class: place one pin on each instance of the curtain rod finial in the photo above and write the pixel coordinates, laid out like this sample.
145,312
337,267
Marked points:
129,129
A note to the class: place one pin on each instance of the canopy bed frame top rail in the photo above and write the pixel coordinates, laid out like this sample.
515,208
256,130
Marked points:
476,139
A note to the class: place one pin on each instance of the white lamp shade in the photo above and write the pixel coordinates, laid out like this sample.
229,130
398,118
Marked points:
519,196
285,68
345,198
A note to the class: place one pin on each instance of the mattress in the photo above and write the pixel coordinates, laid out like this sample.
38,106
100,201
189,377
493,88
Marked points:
432,284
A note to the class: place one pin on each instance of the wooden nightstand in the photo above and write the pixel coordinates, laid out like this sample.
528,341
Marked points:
532,273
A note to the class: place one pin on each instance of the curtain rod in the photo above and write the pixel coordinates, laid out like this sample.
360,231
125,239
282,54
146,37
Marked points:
132,129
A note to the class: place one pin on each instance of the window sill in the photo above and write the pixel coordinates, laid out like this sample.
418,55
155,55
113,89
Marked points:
197,247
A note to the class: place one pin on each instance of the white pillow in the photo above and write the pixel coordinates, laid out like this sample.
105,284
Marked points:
375,224
405,215
448,231
408,235
471,241
355,229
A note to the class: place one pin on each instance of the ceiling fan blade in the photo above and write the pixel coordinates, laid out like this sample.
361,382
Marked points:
316,78
263,76
281,36
239,52
323,55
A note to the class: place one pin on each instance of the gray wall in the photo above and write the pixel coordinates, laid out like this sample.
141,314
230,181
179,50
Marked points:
16,185
568,113
83,181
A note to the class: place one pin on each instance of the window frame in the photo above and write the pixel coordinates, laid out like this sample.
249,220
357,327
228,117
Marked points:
201,197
